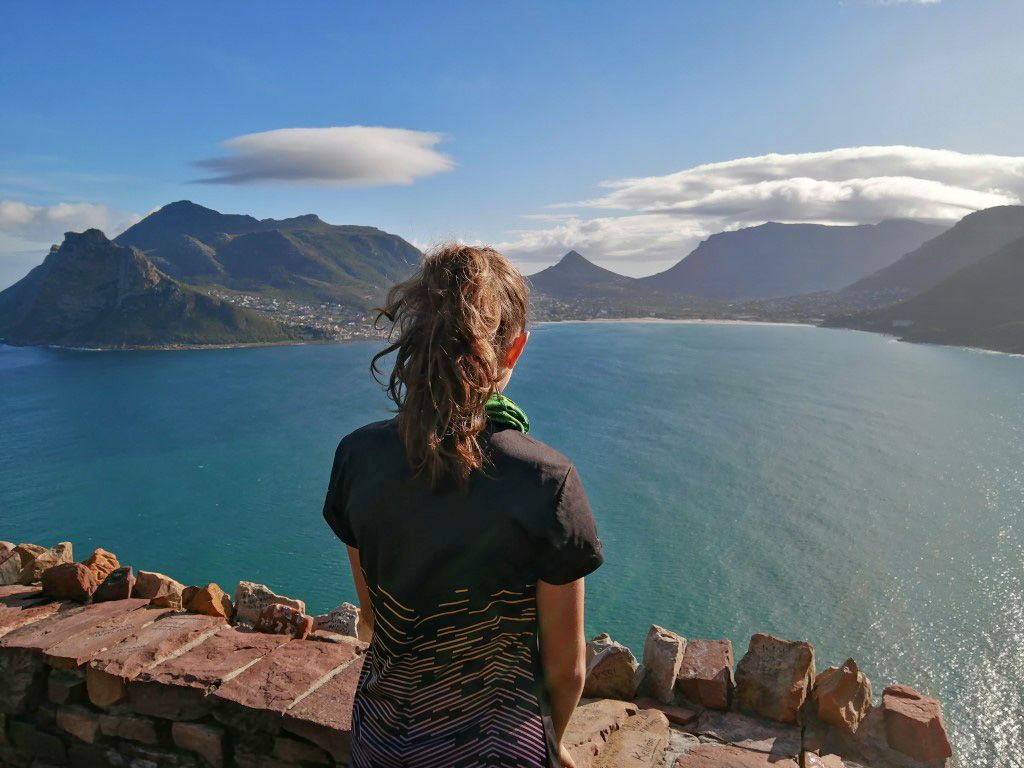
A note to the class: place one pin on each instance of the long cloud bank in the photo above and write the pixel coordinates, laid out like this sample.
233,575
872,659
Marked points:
352,155
642,224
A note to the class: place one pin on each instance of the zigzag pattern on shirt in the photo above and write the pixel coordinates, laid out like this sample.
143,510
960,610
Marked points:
452,689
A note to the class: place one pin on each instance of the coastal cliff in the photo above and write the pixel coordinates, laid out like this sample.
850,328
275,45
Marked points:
103,665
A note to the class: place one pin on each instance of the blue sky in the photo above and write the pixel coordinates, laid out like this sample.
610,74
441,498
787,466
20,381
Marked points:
511,115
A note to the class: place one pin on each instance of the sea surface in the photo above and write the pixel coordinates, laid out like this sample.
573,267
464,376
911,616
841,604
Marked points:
834,486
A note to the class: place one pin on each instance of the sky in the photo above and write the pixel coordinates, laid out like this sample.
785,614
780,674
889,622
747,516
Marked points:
627,131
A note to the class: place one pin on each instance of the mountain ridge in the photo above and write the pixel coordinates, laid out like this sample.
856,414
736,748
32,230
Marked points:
92,292
302,257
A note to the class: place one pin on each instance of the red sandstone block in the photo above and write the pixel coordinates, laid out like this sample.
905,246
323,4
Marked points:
20,610
324,717
174,634
80,722
156,643
705,676
123,725
284,620
205,740
176,689
913,724
728,756
40,635
256,698
88,644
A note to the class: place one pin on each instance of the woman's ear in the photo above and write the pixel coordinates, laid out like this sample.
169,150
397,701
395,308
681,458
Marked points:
516,349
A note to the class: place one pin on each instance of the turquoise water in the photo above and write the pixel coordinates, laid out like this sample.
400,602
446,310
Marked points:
832,486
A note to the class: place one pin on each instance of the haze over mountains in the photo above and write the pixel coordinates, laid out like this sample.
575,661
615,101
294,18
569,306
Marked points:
775,259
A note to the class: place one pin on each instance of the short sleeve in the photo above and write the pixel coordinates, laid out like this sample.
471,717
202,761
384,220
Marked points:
336,511
574,549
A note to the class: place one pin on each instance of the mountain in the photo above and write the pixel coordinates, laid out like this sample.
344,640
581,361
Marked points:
302,258
574,277
773,260
977,306
972,238
91,292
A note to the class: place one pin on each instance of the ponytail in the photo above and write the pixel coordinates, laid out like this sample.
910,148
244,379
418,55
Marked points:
452,323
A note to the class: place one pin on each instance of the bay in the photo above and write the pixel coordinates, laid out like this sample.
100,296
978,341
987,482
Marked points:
833,486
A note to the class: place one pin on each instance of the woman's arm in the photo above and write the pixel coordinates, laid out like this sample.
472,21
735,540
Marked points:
563,651
365,606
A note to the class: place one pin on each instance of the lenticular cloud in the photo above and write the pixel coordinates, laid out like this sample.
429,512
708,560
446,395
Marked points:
352,155
854,185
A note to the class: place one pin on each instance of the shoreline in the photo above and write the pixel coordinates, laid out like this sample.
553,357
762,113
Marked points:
677,321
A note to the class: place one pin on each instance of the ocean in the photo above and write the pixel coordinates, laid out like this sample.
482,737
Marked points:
862,494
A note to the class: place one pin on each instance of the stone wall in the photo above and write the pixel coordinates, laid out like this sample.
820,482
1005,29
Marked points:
103,666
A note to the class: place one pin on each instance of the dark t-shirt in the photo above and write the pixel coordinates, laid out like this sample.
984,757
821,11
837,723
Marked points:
452,677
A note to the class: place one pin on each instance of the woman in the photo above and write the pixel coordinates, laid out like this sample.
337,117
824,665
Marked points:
468,539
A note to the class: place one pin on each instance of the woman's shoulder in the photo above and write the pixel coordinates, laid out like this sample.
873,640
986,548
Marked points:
530,453
376,433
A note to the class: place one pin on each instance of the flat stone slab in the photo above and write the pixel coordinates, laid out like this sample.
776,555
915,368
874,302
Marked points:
258,697
729,756
324,717
13,590
155,643
41,635
90,643
591,725
749,733
177,689
639,742
21,609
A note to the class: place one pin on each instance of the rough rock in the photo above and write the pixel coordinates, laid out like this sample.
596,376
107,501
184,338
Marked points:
41,635
663,655
123,724
171,636
774,678
6,546
251,598
209,600
117,585
36,563
18,612
171,600
710,755
39,741
10,567
638,743
205,740
279,619
74,651
150,584
81,722
176,689
102,564
65,687
324,717
590,727
842,696
343,620
255,699
705,676
69,581
913,724
677,715
753,733
294,751
612,670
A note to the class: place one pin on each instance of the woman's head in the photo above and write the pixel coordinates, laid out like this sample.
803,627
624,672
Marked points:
458,327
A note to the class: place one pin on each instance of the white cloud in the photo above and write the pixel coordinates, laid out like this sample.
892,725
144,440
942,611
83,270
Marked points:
24,227
352,155
661,218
